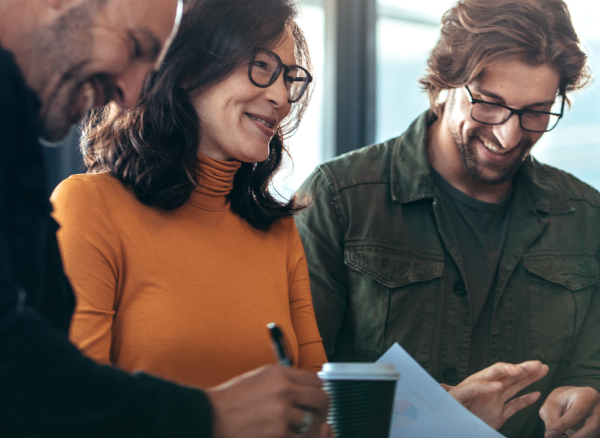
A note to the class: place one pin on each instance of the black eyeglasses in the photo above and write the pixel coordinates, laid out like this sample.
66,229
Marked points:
265,67
490,113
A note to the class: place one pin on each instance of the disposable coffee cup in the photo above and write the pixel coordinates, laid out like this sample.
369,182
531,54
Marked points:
361,398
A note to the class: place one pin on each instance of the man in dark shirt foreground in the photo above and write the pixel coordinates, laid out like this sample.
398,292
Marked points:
452,240
58,59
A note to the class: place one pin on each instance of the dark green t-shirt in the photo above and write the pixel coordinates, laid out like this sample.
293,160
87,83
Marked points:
480,228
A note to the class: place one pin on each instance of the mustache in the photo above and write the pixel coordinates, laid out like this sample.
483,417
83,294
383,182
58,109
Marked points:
524,143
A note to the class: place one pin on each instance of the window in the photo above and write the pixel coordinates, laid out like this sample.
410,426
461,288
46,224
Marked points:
574,146
395,37
306,147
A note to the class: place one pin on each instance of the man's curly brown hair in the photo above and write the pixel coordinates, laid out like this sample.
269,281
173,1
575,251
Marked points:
478,34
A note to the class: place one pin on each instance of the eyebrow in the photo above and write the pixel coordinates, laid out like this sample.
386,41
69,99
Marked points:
146,44
495,96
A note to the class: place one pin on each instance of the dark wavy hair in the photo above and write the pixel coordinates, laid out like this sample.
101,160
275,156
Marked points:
477,34
153,148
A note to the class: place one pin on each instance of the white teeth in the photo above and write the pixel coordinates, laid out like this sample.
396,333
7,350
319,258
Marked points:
495,149
89,96
264,122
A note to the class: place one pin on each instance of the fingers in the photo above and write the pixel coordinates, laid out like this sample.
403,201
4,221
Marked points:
565,407
270,402
513,379
532,373
570,418
324,431
591,429
519,403
550,414
299,422
300,377
303,389
491,373
447,388
467,391
501,370
315,400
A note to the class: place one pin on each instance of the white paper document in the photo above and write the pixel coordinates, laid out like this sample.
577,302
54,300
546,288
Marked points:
423,409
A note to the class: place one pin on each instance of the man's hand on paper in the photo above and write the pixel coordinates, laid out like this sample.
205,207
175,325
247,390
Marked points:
486,393
570,407
271,402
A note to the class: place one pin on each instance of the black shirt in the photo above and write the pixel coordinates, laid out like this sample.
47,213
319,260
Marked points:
480,228
48,388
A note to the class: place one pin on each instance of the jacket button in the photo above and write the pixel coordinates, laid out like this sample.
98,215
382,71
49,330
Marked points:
459,288
449,374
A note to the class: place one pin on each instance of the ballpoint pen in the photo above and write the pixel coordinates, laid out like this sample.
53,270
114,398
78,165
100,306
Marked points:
283,358
279,346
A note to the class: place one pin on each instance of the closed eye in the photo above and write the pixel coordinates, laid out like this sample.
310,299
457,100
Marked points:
535,114
489,105
292,79
260,64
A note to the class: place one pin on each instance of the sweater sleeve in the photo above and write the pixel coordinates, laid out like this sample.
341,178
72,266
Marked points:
310,345
91,255
49,389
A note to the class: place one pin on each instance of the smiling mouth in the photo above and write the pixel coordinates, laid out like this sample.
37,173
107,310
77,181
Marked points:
263,121
89,97
494,148
95,92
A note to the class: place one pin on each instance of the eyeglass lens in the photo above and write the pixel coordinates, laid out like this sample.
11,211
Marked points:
530,120
265,69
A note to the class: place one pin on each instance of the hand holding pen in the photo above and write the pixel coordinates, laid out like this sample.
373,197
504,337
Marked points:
283,358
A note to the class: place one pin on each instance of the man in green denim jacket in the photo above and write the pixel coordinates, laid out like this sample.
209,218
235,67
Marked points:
388,255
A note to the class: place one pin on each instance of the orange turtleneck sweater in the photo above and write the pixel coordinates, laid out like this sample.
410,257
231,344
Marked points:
184,294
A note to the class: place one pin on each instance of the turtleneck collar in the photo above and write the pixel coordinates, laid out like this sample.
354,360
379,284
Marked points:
215,181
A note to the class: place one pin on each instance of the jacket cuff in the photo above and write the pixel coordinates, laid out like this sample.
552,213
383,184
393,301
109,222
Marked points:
186,412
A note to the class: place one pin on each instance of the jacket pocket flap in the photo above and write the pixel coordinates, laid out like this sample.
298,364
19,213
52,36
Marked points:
573,272
393,268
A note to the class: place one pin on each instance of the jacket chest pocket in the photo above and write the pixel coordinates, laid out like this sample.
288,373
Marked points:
392,296
559,289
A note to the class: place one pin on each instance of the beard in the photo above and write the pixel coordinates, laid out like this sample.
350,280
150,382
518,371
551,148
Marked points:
488,173
69,101
63,51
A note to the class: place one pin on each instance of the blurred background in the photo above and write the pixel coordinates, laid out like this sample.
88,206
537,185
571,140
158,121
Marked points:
367,56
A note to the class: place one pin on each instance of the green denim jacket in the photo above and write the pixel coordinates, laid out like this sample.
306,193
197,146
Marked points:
385,267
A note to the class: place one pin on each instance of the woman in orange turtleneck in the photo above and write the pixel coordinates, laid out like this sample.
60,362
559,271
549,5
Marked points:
178,253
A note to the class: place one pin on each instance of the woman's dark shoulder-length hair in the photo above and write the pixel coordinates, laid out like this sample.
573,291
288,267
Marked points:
153,148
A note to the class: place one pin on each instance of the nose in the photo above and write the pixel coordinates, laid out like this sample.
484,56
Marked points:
276,93
509,134
128,84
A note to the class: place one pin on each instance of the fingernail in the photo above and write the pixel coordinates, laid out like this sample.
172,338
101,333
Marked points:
551,434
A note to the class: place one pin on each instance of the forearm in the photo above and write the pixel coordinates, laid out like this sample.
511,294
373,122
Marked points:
50,388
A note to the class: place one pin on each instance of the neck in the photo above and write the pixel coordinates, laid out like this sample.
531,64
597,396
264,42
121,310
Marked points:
444,157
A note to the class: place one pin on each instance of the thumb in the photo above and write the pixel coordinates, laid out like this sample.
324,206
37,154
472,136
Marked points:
550,413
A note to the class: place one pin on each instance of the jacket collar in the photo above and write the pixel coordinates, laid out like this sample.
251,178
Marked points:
411,178
545,192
